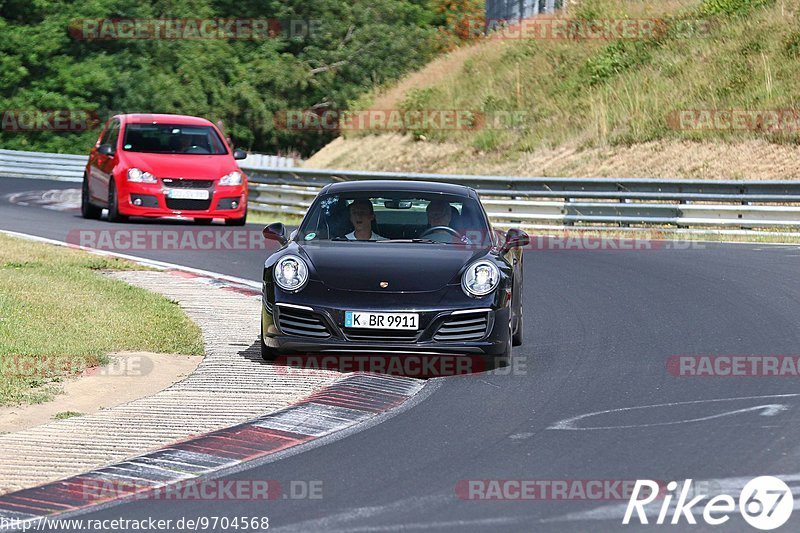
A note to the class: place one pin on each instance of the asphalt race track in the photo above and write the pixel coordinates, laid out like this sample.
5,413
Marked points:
601,327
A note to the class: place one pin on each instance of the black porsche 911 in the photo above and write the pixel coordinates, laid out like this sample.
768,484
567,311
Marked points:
395,268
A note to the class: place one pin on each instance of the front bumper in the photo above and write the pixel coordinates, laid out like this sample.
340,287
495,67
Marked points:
438,332
153,201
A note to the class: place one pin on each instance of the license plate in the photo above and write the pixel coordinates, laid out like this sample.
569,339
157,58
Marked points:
188,194
358,319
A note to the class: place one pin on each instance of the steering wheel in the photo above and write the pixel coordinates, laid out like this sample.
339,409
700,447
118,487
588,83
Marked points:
447,229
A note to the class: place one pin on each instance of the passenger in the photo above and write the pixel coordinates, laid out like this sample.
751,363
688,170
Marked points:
361,215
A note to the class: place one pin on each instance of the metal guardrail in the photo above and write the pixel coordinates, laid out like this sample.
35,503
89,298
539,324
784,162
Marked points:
512,10
19,164
585,202
66,167
515,201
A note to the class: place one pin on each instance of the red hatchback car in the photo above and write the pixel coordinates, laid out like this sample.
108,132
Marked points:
164,165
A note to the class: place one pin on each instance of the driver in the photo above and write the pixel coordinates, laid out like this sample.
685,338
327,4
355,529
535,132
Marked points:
185,144
439,213
361,216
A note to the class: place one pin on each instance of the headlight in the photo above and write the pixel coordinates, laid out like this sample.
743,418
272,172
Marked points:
234,178
480,278
291,273
137,176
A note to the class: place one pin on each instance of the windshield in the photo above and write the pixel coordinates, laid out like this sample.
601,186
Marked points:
173,139
395,216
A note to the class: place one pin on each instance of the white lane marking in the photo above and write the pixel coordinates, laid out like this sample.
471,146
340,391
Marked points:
56,199
16,517
570,424
161,265
731,486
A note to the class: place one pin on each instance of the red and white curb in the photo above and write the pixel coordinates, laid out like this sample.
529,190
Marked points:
347,402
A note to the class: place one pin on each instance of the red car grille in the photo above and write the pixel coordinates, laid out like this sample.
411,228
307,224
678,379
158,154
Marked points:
188,205
180,183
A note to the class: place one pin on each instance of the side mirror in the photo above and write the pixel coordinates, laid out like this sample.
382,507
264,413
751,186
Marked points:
239,154
515,238
275,232
105,149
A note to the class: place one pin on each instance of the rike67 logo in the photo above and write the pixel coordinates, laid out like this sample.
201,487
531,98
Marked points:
765,503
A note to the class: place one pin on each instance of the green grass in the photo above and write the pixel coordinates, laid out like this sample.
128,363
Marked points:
607,93
59,315
63,415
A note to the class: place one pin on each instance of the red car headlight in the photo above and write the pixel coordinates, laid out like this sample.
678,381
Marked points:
137,176
234,178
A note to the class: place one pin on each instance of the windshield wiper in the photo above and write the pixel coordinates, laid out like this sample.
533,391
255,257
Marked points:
345,239
423,241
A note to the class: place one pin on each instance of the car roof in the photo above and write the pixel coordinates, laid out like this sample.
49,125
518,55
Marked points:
164,118
398,185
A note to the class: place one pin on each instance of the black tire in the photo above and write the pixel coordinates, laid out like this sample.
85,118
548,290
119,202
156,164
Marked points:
88,210
517,338
267,353
236,221
113,204
504,359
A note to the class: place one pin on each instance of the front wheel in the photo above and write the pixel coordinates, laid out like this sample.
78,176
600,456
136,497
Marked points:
267,353
88,210
516,340
113,204
504,359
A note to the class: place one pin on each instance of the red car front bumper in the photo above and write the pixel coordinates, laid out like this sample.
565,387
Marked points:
155,200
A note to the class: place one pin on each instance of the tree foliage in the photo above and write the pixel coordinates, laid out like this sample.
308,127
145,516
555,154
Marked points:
348,47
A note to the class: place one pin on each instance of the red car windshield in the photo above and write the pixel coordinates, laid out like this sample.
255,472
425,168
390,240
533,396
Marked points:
172,139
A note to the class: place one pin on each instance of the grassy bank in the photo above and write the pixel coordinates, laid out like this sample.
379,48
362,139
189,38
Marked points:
59,314
577,95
